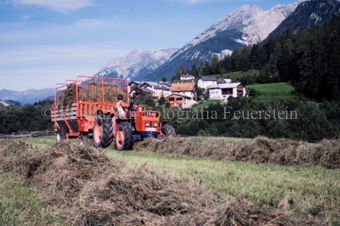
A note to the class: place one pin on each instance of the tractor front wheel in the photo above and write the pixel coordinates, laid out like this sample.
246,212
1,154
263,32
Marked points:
124,137
103,131
168,130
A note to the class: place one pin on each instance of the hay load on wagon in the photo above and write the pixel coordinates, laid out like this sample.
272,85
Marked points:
91,92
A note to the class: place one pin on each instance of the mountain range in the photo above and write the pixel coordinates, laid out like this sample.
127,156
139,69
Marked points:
248,24
137,64
309,14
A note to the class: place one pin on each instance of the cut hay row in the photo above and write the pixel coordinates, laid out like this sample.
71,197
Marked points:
90,188
260,150
92,92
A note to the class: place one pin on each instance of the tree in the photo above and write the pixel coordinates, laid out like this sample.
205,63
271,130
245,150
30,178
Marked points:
180,71
207,69
194,70
244,58
200,93
145,98
200,68
235,60
214,65
277,51
161,100
286,63
334,73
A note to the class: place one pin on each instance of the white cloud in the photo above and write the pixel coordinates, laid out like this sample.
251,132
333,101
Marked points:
58,5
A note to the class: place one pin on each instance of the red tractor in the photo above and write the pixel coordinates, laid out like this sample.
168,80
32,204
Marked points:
88,105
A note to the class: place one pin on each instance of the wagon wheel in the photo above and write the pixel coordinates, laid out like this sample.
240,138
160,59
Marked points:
61,134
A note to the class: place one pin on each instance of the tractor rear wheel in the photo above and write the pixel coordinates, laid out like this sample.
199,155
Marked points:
103,131
61,134
168,130
124,137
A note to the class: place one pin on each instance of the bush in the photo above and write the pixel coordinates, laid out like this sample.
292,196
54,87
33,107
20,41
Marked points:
145,98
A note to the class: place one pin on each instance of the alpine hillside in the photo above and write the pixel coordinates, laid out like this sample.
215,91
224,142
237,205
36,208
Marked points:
308,14
248,24
136,64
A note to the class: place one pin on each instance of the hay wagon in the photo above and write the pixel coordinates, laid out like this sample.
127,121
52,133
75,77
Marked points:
88,106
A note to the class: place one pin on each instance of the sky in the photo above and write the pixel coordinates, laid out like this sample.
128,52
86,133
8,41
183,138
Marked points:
43,42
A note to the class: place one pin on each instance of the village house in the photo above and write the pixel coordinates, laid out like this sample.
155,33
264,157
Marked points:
206,81
225,90
187,77
160,89
140,89
156,90
183,95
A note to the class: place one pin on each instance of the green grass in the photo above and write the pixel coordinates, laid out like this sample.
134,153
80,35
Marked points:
238,74
20,206
309,187
273,91
40,141
201,105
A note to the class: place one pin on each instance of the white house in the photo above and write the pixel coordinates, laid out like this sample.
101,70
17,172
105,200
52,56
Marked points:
206,81
187,77
225,90
162,90
186,89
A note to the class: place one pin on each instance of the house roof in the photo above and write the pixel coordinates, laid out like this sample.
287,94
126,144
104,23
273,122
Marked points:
150,83
137,82
145,89
162,87
181,95
225,85
165,84
208,78
180,87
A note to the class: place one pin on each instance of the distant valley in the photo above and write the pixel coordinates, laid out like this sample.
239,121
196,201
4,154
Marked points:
28,96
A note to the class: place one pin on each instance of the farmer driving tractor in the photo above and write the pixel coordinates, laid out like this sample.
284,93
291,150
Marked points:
121,107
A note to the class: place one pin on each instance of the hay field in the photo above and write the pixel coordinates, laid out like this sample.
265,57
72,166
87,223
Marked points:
133,188
272,172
